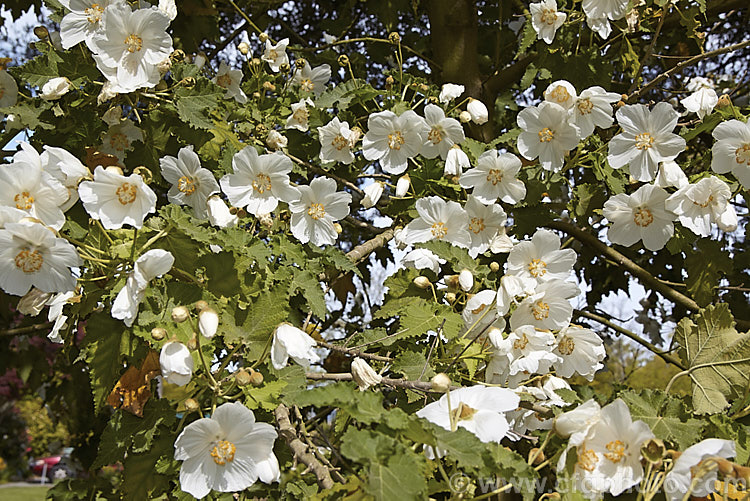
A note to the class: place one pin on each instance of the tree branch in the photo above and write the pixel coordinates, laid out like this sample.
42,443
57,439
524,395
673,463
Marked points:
363,250
354,353
26,330
286,430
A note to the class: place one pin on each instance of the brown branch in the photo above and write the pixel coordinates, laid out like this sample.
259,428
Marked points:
399,383
286,430
26,330
363,250
323,172
354,353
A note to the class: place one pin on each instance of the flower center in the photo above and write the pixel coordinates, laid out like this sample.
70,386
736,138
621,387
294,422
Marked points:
566,345
643,217
119,141
540,310
339,142
585,106
479,309
262,183
316,211
462,412
222,452
616,451
537,268
94,13
134,43
644,141
435,135
742,154
549,16
546,135
186,185
224,80
439,230
520,344
559,94
29,261
705,204
302,115
307,85
126,193
24,201
272,54
495,176
395,140
587,459
476,225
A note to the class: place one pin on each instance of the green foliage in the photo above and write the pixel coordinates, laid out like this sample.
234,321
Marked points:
666,415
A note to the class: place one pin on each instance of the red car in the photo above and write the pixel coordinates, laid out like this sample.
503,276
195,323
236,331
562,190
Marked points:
53,468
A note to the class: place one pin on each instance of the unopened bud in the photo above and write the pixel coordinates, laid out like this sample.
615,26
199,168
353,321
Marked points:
180,314
422,282
394,38
440,382
200,305
343,60
193,343
263,37
338,228
256,378
300,63
269,86
619,104
266,220
389,83
466,280
41,32
158,333
113,169
402,185
242,377
452,282
256,62
450,297
284,68
244,48
364,375
241,213
464,117
536,456
191,405
433,100
724,101
494,266
145,174
208,322
164,66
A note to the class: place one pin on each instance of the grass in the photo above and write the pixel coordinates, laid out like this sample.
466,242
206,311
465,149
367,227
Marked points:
23,493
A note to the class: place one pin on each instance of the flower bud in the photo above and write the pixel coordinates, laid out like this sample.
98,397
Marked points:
536,456
208,322
338,228
269,87
389,83
494,266
200,305
300,63
263,37
242,377
450,297
466,280
284,68
422,282
452,282
456,161
364,375
41,32
373,193
219,214
164,66
724,101
354,134
191,405
276,141
55,88
244,48
440,382
256,378
180,314
256,62
176,363
145,174
193,343
343,60
464,117
402,185
113,169
394,38
158,333
266,220
478,111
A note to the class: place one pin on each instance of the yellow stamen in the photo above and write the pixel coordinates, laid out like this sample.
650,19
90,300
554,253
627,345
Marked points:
262,183
476,225
316,211
134,43
546,135
643,217
223,452
616,451
395,140
24,201
29,261
439,230
126,193
186,185
540,310
537,268
644,141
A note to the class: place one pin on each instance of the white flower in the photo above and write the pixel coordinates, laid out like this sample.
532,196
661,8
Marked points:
456,161
546,396
541,258
191,183
478,311
599,12
55,88
646,139
443,133
32,303
703,99
336,142
478,409
731,152
485,222
450,92
593,107
55,315
312,79
275,55
131,45
373,192
169,8
151,264
176,363
364,375
227,452
32,256
670,175
576,423
580,350
546,20
109,91
82,22
495,177
439,220
640,216
116,200
259,182
275,140
561,92
318,207
501,242
512,291
208,322
548,308
546,134
218,213
300,115
394,139
119,138
289,341
529,350
402,185
421,259
230,80
66,169
698,205
680,477
478,111
25,186
8,91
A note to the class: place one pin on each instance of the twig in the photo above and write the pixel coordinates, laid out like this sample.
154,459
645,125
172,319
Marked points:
399,383
354,353
318,170
650,49
222,45
432,347
363,250
26,330
286,430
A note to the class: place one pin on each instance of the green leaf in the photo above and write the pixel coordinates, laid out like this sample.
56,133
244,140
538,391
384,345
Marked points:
717,356
193,102
104,336
705,268
666,416
255,326
401,478
308,284
412,364
417,316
